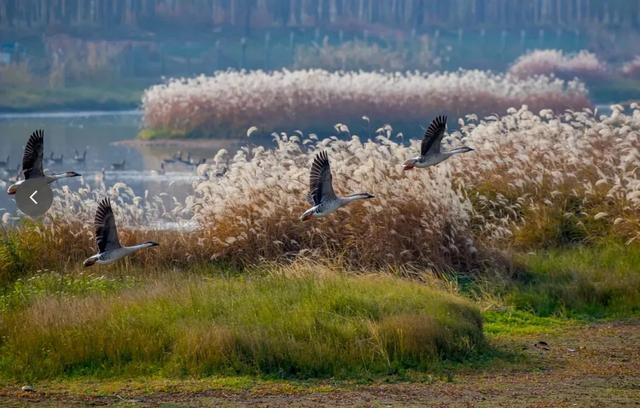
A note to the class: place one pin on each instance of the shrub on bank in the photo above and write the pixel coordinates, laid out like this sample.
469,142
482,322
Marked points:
584,65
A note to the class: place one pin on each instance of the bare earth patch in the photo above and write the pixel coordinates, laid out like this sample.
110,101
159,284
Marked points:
596,365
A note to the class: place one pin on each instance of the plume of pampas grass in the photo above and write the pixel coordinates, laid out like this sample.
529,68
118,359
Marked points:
534,179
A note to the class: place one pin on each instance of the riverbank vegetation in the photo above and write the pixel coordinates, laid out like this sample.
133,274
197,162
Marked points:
536,229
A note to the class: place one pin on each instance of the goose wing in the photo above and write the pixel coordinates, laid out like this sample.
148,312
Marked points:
106,231
320,181
33,155
433,136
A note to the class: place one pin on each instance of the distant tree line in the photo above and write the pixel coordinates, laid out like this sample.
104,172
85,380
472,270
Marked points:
246,14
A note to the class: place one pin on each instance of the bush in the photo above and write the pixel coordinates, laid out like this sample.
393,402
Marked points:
631,69
584,65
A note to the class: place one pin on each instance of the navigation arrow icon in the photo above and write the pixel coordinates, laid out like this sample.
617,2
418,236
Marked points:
34,196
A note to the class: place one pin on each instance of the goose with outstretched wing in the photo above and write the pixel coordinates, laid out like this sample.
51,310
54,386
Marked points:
32,167
109,248
430,152
321,195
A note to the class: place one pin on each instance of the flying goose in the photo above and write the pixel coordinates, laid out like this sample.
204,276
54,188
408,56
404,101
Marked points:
4,163
109,248
118,166
430,153
80,158
32,163
321,194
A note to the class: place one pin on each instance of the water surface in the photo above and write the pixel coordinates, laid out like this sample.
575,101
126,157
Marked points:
102,135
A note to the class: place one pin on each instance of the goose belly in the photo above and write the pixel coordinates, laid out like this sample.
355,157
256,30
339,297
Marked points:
114,255
432,160
327,208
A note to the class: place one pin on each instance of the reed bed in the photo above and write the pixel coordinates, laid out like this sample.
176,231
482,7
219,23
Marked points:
228,103
631,69
535,180
584,65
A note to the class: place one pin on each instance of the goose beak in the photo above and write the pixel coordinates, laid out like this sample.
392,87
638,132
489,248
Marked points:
89,262
12,190
407,166
306,216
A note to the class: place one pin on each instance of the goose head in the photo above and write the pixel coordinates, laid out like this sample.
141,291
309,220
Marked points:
307,215
89,262
409,164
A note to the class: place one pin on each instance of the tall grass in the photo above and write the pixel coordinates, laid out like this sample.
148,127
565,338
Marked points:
228,103
603,281
584,65
295,322
534,181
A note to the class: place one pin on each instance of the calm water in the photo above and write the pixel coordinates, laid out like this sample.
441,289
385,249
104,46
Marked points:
99,133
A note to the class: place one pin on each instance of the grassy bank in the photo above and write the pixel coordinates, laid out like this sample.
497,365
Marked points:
303,321
85,97
295,323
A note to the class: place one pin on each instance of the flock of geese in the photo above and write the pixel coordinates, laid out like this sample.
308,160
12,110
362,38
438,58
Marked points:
322,197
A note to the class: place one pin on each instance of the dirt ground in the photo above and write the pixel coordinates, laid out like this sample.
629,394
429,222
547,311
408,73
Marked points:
597,365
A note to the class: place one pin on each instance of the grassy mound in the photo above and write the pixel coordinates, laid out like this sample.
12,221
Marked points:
309,323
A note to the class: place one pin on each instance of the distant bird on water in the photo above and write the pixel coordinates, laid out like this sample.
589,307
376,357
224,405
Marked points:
321,195
177,157
55,160
430,153
78,158
118,166
32,163
109,248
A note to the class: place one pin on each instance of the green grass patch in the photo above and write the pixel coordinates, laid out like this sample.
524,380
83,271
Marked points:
151,134
80,97
511,322
307,325
601,281
24,291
